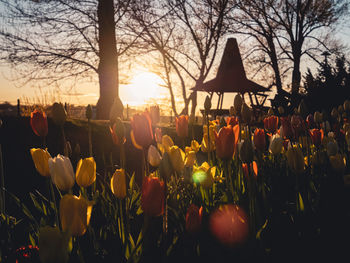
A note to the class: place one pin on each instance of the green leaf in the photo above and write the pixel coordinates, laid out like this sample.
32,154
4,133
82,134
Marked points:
131,183
301,203
32,240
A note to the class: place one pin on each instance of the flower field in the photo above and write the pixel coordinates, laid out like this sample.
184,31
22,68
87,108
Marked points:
267,187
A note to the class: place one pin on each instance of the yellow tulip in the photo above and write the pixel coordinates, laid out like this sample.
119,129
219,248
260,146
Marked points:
195,146
204,145
190,158
204,175
154,157
53,245
177,158
75,213
41,160
295,159
167,142
86,172
118,183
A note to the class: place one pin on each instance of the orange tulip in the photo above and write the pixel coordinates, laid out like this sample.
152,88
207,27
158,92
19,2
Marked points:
118,132
316,136
193,219
38,122
182,126
225,143
141,133
232,121
152,196
271,124
259,139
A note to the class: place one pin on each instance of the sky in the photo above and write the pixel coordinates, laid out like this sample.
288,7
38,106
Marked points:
143,89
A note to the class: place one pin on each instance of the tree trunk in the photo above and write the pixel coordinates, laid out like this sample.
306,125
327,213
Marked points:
296,77
108,66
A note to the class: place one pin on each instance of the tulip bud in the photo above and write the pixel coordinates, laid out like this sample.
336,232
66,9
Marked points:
237,103
270,112
246,152
86,172
41,160
67,149
118,132
280,110
346,105
232,111
154,157
310,121
332,148
302,109
116,110
316,136
195,146
317,117
207,104
271,124
118,184
77,151
176,158
295,159
61,171
88,112
222,122
246,113
338,162
167,142
59,114
193,219
152,196
182,126
276,144
38,122
75,213
53,245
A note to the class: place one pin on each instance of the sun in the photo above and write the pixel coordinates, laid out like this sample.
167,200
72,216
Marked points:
143,88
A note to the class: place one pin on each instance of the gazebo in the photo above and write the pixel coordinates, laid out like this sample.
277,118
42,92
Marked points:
231,77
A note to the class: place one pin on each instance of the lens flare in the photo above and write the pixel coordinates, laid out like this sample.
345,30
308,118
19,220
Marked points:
199,176
229,224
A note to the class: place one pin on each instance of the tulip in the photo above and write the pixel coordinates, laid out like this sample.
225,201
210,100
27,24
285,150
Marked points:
316,136
297,124
231,110
317,117
59,114
41,160
276,144
118,184
53,245
195,146
270,112
246,152
338,162
193,219
61,171
286,127
237,103
118,132
165,167
204,175
190,158
259,139
224,141
141,133
88,112
310,121
167,143
271,124
154,114
182,126
152,196
204,144
246,113
75,213
154,157
207,104
229,224
86,172
38,122
332,148
177,158
232,121
295,159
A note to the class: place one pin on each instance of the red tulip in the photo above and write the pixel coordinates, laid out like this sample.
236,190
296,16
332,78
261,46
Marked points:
298,125
286,128
232,121
152,196
253,167
271,124
259,139
193,219
316,136
225,143
38,121
229,224
182,126
141,133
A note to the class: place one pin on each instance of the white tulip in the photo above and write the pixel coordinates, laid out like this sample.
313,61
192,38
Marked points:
154,157
62,173
276,144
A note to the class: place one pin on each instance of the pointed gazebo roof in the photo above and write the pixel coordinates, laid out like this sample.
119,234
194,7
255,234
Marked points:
231,75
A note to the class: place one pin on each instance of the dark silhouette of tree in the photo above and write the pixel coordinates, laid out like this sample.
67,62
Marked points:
63,39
